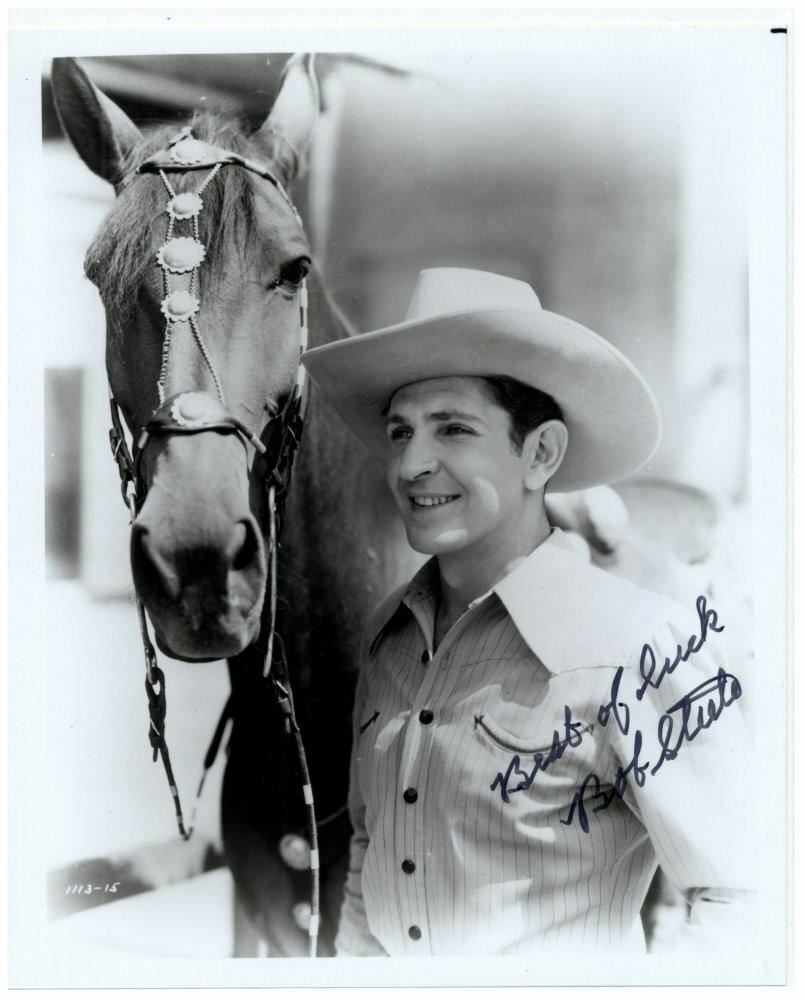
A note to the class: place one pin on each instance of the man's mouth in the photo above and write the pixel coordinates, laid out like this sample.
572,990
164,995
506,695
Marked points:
438,500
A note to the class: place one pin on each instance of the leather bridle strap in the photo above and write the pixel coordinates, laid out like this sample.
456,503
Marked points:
225,159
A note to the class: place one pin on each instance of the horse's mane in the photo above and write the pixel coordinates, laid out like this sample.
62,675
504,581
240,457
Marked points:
121,254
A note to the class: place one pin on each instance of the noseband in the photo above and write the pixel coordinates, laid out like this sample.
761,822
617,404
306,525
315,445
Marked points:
195,411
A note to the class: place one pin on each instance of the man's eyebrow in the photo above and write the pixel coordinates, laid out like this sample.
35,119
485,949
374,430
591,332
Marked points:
454,415
396,418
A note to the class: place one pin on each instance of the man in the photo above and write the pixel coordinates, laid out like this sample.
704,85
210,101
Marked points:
531,734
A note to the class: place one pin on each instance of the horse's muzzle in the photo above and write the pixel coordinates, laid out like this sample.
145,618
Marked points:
204,589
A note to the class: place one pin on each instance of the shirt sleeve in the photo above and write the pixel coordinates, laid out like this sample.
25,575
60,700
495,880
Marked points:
693,795
354,937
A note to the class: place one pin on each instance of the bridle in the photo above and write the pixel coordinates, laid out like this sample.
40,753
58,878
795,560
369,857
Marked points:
195,411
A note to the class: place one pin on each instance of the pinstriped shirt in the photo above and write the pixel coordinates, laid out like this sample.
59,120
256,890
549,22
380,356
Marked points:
502,791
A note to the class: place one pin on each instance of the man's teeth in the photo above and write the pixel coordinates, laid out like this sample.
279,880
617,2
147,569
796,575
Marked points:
431,501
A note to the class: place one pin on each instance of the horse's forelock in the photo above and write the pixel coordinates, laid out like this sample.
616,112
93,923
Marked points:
121,255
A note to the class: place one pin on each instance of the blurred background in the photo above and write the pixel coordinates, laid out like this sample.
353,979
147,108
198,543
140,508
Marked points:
606,173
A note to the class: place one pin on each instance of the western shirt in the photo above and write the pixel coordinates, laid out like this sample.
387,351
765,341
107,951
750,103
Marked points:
515,788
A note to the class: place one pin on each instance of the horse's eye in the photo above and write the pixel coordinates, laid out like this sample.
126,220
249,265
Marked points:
295,271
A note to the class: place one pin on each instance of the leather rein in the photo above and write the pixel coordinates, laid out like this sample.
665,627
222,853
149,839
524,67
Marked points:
195,411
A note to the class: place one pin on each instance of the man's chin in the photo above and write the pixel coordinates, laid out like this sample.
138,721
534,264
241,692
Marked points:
437,542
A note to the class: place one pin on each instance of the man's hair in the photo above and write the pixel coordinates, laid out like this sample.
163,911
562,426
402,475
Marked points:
527,407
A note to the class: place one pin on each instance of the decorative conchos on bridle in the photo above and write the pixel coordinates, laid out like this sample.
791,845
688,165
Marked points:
191,410
185,206
183,255
195,411
179,306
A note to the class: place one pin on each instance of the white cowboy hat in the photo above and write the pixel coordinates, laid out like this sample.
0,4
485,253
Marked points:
463,322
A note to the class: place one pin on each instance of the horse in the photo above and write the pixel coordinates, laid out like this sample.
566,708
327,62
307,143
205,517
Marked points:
211,376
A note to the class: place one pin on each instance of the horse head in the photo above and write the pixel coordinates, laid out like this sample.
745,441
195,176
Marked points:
201,268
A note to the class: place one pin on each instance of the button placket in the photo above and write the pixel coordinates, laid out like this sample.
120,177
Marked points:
412,746
416,742
423,713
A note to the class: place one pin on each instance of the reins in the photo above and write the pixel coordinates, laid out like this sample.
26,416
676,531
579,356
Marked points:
192,412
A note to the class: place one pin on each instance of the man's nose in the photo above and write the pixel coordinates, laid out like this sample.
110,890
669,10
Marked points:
418,460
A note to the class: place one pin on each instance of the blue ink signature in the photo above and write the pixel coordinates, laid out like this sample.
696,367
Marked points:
680,723
542,761
670,741
619,710
592,782
708,622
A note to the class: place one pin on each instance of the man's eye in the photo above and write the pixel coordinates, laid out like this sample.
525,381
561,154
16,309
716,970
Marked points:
453,429
399,433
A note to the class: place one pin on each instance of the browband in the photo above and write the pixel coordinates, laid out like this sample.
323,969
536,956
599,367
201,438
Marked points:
156,165
188,153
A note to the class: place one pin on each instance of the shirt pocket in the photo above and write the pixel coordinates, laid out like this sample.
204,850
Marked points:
528,739
537,767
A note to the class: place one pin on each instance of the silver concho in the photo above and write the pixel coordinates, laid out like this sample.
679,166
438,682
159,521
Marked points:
187,205
295,852
189,151
179,306
301,913
181,254
194,409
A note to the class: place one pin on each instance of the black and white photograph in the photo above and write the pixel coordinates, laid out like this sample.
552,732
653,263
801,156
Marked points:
399,414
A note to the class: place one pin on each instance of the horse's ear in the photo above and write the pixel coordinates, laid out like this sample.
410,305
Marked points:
101,132
295,112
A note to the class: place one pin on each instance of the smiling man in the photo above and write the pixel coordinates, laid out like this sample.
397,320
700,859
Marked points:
468,489
518,769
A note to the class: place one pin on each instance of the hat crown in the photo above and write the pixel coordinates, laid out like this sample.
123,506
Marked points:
443,290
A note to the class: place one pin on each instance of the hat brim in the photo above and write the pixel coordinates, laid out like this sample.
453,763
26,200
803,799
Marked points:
612,417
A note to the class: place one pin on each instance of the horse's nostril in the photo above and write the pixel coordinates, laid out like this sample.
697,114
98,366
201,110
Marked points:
243,549
139,545
149,564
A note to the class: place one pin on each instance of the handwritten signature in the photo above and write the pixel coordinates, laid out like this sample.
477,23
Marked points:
542,760
708,622
680,723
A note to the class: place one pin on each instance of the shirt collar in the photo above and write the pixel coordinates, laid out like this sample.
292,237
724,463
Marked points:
541,595
573,614
569,612
424,585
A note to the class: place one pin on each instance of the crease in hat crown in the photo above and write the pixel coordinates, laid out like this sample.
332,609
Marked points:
441,291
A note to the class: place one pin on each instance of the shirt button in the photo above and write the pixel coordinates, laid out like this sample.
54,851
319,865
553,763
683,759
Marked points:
414,933
408,867
410,795
427,656
426,717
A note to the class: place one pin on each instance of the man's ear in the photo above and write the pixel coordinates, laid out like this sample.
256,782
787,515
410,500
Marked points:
544,448
103,135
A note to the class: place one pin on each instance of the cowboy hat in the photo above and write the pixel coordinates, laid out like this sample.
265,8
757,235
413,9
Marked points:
464,322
